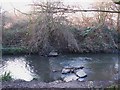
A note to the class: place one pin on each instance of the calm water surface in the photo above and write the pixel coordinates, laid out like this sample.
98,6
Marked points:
101,67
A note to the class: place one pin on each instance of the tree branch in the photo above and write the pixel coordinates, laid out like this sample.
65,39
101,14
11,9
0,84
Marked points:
68,10
85,10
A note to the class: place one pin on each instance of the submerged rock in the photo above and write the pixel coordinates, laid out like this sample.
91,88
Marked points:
81,73
71,69
78,67
80,79
66,70
86,58
70,77
53,54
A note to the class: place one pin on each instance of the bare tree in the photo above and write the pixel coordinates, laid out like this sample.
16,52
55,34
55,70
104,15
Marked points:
51,29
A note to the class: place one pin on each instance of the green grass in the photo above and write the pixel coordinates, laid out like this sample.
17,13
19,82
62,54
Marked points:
113,87
6,77
14,50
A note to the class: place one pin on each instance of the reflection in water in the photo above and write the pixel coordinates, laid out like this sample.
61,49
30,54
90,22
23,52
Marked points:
19,68
41,67
101,67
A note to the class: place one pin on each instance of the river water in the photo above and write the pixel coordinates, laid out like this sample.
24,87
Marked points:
47,69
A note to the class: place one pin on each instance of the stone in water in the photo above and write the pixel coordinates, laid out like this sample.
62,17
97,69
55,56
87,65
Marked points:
80,79
66,70
70,78
53,54
81,73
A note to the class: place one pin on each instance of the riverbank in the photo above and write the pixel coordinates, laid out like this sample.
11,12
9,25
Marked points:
21,51
57,84
14,51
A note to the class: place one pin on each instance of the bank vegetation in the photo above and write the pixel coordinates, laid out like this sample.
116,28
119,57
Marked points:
54,26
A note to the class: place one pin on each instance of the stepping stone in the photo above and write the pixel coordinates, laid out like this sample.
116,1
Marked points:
66,70
80,79
53,54
70,77
80,73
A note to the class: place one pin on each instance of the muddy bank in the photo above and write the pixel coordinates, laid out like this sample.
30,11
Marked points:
57,84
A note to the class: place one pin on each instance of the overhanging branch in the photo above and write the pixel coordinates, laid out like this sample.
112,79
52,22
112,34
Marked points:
65,10
68,10
73,11
96,11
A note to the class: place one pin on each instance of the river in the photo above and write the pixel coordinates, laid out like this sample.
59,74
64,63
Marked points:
47,69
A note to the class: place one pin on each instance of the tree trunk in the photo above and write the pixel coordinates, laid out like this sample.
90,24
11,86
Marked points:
1,26
118,20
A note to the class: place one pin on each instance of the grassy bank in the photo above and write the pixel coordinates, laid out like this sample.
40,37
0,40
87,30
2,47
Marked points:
21,50
14,51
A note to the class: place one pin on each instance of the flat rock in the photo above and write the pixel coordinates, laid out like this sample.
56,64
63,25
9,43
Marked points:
81,73
66,70
80,79
53,54
70,77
